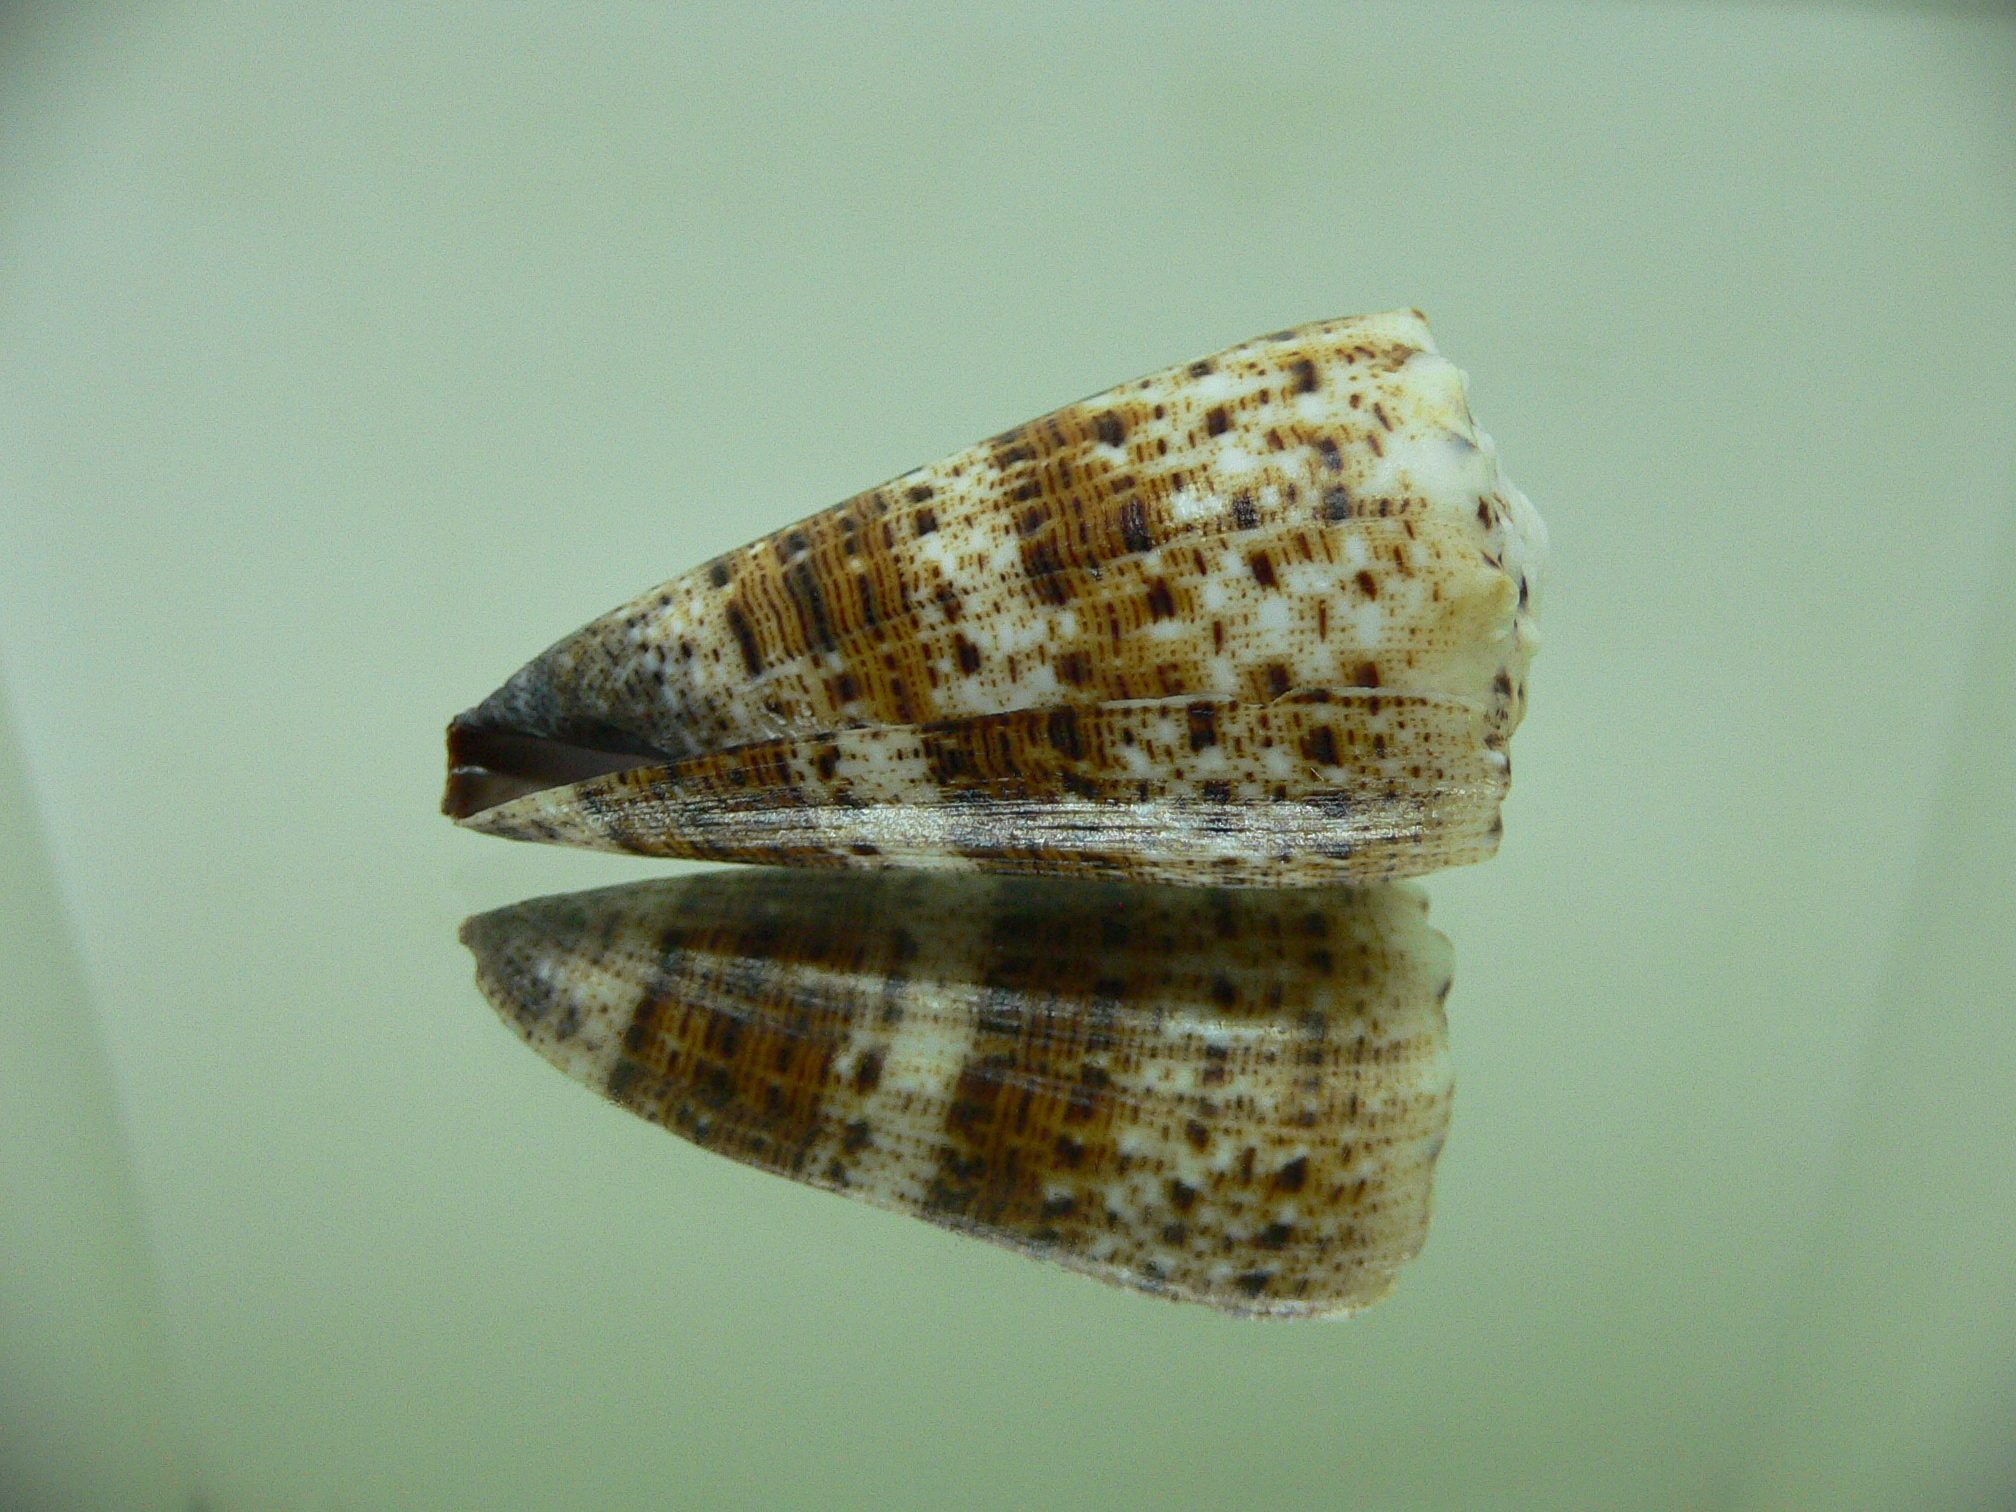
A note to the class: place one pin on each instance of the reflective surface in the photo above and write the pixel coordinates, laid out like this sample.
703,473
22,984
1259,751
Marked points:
1228,1098
345,356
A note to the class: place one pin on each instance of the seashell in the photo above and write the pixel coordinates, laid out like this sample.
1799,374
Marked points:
1262,620
1233,1097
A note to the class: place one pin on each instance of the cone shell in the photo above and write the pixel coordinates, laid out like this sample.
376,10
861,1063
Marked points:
1263,619
1227,1097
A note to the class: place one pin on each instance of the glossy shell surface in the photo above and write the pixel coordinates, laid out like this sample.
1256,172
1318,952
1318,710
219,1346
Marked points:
1261,619
1231,1097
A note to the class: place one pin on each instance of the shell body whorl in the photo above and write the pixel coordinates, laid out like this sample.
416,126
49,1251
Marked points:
1263,619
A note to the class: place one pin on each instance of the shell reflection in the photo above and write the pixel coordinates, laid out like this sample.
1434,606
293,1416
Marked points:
1228,1097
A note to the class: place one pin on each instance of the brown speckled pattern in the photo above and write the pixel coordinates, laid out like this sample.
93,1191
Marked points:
1311,512
1228,1097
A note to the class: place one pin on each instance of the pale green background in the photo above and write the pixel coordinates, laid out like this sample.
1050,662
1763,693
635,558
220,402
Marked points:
348,355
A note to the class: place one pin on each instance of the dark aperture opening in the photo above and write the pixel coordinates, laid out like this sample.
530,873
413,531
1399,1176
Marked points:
488,766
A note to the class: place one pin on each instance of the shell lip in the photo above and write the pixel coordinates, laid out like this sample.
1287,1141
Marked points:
490,765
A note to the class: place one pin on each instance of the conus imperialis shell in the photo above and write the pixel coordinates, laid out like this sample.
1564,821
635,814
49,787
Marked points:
1260,620
1233,1097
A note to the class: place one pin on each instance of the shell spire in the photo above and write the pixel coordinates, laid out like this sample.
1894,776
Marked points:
1261,619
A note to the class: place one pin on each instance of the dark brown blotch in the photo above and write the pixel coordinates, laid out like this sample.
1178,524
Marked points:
1203,720
1134,527
745,638
1062,728
868,1072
